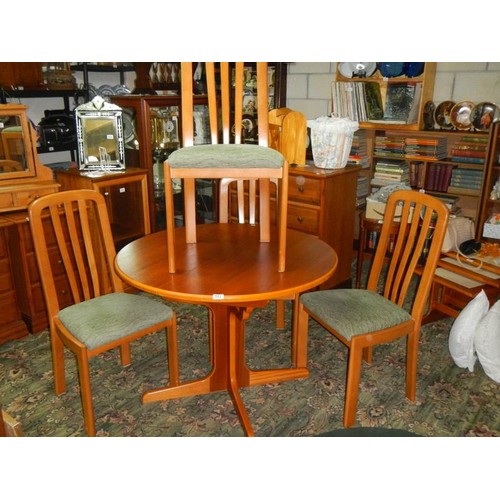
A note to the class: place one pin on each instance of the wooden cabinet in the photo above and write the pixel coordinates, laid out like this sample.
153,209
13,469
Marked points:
30,299
12,325
126,195
323,202
425,82
490,202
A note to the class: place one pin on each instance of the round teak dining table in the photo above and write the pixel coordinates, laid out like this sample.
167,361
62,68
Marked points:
231,273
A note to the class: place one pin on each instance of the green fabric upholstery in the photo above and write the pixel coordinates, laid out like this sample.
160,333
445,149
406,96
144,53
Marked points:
104,319
226,155
354,312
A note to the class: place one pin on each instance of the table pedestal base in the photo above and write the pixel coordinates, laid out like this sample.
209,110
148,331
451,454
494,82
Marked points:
230,371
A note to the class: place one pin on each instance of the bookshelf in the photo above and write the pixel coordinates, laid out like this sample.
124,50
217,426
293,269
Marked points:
452,165
378,92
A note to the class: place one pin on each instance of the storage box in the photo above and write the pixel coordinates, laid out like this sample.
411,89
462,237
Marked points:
491,231
376,210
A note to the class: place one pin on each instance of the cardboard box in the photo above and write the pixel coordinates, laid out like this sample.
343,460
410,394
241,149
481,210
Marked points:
376,210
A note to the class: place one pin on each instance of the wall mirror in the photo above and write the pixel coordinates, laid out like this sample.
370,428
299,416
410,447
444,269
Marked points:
16,143
99,128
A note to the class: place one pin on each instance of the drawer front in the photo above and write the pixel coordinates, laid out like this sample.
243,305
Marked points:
24,198
63,295
304,189
303,218
55,263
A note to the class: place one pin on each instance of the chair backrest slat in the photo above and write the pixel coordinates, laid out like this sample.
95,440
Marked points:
73,246
417,249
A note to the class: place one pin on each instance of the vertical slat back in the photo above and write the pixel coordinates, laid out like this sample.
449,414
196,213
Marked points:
75,225
262,103
187,104
212,102
418,244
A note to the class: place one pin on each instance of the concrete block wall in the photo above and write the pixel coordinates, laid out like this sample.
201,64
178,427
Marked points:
309,84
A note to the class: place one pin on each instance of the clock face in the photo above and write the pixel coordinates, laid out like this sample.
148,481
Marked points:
170,126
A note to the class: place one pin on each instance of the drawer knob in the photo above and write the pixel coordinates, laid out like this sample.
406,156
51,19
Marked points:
301,189
300,219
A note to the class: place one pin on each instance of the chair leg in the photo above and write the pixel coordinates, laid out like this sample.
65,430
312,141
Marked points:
352,384
300,332
173,355
125,357
280,314
411,366
368,354
58,363
86,392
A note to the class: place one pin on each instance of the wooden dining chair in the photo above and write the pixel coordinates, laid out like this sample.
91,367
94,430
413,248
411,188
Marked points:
87,308
392,305
227,156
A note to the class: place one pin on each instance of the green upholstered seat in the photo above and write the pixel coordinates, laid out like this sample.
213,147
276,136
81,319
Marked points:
104,319
226,156
354,312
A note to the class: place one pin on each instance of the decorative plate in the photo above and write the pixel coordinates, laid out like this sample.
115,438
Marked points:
121,90
460,115
442,115
483,114
105,91
428,115
357,69
391,69
130,136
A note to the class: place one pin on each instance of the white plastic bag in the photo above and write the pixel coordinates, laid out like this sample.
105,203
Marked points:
331,140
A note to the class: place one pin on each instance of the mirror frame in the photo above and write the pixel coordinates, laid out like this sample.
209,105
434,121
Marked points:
29,143
102,110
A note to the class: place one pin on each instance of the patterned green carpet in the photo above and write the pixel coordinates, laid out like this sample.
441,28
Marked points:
450,401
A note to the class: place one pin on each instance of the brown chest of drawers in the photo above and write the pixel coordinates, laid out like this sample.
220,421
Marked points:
30,299
323,202
11,324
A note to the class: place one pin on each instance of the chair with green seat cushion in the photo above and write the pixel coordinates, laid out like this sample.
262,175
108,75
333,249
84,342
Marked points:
392,306
228,155
87,308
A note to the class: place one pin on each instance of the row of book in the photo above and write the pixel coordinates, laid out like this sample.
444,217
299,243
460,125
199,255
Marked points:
359,153
390,172
465,181
423,148
470,149
362,101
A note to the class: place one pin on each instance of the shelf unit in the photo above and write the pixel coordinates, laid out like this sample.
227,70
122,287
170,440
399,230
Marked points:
468,200
490,203
426,79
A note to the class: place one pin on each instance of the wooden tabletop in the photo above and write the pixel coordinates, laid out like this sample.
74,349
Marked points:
228,263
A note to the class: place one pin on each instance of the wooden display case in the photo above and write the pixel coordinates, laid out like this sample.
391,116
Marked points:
126,196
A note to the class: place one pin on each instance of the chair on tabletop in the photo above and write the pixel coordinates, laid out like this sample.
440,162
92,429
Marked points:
287,134
394,302
227,156
74,245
